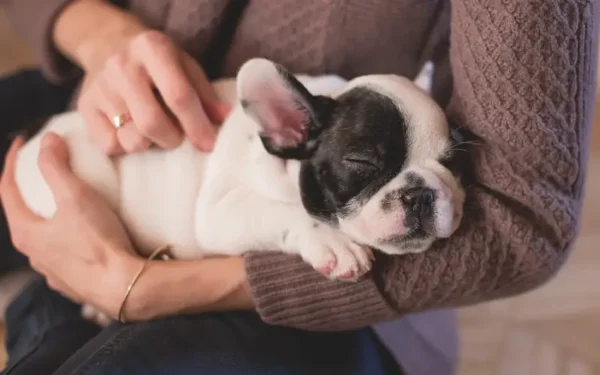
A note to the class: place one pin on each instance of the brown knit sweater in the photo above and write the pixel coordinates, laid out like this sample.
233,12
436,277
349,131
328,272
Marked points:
523,82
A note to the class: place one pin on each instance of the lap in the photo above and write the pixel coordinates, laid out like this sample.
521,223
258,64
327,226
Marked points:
224,343
43,329
216,343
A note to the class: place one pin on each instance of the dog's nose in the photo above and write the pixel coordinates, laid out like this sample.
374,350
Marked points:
419,201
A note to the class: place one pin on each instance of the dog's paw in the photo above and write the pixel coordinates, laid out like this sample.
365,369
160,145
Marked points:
96,316
334,254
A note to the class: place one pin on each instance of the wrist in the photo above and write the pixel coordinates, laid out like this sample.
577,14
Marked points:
180,287
120,271
88,32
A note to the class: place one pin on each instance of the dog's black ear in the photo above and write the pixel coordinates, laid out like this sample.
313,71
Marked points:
289,116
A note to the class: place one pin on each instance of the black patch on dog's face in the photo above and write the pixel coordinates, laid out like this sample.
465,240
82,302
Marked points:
388,203
362,148
413,180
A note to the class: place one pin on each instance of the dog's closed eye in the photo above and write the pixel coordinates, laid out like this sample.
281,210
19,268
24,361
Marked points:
362,161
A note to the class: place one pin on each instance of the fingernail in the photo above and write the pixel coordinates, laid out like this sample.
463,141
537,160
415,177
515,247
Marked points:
219,111
208,144
49,141
19,139
223,109
16,135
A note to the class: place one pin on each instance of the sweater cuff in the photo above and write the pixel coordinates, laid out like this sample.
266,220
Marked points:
34,20
289,292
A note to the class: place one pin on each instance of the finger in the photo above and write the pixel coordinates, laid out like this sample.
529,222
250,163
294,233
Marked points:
101,130
10,160
149,117
54,163
198,79
215,109
135,86
164,66
12,201
218,112
113,105
128,135
131,139
149,123
18,216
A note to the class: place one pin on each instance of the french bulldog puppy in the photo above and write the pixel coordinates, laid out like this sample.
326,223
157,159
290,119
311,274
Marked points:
321,167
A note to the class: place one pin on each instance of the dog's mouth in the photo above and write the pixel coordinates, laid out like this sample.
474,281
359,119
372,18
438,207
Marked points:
412,242
414,234
420,223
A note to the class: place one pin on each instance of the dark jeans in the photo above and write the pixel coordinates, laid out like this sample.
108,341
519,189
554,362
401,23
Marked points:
47,335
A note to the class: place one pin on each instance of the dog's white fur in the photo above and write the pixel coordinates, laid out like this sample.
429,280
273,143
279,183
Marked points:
236,199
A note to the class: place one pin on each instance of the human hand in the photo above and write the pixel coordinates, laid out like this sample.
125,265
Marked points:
144,64
83,251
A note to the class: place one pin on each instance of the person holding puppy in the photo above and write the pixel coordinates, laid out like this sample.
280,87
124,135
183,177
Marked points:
272,313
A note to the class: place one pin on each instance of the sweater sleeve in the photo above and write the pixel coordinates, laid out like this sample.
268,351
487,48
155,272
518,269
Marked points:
34,20
524,83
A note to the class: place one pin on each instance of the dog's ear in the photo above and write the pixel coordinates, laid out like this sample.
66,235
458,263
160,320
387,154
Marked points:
289,116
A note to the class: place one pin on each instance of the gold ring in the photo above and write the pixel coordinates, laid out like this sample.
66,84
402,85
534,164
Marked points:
120,120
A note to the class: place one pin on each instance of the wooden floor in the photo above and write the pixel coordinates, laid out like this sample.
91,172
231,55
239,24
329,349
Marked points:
554,330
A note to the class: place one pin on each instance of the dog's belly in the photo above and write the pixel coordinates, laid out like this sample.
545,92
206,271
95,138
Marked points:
87,162
153,192
158,195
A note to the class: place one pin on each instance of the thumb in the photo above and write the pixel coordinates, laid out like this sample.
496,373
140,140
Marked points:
54,163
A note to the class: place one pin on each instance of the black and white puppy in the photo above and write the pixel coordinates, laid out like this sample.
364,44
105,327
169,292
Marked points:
315,166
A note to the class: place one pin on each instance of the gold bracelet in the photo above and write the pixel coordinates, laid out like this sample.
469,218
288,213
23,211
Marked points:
137,276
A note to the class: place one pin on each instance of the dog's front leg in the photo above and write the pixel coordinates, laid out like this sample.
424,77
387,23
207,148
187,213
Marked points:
243,220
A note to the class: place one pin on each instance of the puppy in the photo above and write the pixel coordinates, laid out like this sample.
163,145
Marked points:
316,166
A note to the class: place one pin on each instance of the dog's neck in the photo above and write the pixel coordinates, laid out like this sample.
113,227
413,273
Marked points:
292,168
277,177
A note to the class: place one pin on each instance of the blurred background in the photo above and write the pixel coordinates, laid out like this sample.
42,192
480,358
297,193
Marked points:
554,330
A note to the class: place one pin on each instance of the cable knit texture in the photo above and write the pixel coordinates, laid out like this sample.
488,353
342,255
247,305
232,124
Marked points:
34,19
519,74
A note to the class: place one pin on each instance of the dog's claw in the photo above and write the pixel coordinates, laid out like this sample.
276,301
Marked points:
348,275
328,268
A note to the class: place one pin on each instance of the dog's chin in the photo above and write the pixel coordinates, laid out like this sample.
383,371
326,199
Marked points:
403,251
405,247
401,239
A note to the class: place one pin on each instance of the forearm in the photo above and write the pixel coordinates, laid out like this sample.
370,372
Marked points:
89,31
180,287
56,47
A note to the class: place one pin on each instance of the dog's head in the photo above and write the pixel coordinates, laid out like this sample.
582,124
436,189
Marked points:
374,159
